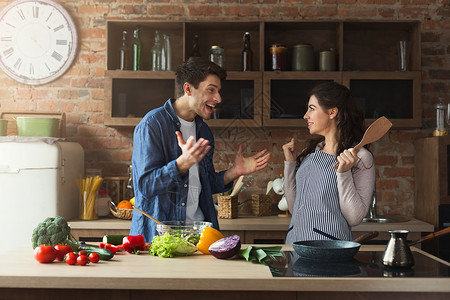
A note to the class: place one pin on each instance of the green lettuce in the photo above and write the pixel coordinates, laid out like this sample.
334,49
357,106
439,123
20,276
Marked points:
168,245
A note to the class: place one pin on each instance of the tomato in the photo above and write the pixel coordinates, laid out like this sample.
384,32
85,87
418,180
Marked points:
70,258
82,252
82,260
62,251
45,254
94,257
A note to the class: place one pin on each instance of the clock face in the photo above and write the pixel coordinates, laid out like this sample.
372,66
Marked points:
38,41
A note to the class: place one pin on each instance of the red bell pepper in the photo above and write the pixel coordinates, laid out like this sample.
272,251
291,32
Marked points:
111,247
134,244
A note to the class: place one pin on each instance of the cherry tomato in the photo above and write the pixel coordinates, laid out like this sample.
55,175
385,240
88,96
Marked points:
82,260
45,254
94,257
62,251
82,252
70,258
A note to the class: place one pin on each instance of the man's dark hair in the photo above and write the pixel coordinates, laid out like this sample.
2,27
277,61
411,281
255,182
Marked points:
194,71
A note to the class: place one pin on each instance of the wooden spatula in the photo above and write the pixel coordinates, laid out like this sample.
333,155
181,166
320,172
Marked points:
237,186
373,133
148,216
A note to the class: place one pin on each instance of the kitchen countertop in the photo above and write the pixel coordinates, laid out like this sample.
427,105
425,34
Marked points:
199,272
269,223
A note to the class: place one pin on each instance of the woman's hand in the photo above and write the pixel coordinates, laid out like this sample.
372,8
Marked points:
288,150
346,160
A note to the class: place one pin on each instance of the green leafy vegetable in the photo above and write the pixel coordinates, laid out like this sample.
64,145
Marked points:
192,237
53,231
168,245
261,254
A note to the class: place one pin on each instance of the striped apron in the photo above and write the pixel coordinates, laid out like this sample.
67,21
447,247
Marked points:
317,201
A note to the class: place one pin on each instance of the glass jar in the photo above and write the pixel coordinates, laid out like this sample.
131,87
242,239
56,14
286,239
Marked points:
440,120
278,57
102,203
216,55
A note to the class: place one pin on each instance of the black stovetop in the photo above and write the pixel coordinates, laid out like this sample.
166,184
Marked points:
363,264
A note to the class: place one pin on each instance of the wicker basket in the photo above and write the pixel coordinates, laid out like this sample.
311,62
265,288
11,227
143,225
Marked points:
121,213
228,207
261,205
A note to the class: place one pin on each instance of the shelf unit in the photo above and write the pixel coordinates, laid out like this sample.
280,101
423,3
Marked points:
366,53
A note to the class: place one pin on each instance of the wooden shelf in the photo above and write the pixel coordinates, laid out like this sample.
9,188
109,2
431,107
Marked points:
367,60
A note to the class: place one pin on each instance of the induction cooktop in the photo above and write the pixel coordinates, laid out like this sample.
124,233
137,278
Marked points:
363,264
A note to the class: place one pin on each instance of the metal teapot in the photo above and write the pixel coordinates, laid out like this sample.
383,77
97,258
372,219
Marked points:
397,252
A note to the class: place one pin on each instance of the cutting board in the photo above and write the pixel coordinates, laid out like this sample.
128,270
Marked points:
12,125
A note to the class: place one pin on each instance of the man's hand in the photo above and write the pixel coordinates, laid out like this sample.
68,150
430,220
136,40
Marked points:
246,165
191,153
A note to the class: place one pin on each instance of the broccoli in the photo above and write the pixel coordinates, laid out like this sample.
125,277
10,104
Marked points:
53,231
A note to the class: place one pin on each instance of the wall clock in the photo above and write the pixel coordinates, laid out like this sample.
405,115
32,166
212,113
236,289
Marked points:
38,41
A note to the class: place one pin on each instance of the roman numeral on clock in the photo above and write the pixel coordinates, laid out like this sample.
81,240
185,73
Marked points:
8,52
57,56
58,28
21,14
61,42
18,63
35,12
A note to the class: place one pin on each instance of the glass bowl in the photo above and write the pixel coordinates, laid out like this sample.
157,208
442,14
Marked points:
188,230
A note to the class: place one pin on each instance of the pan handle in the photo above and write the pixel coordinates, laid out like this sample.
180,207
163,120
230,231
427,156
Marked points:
366,237
432,236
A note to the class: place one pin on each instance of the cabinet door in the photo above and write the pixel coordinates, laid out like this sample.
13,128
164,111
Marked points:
130,95
241,101
286,95
395,95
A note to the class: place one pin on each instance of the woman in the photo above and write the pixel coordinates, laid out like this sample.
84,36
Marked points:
320,197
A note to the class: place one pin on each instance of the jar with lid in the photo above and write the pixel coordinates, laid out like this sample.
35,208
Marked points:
102,203
216,55
303,57
278,57
440,120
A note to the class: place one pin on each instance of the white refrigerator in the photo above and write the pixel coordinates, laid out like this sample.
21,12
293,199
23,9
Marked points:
37,180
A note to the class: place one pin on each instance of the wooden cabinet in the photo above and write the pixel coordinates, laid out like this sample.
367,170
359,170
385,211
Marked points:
366,55
432,189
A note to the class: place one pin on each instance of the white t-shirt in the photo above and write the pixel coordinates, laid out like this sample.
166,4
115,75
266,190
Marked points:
193,211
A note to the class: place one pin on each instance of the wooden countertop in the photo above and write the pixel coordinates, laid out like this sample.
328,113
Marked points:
252,223
198,272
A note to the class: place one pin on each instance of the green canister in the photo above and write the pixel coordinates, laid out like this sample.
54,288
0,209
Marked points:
303,58
327,61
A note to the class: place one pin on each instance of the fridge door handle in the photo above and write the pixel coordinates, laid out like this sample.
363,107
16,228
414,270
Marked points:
5,169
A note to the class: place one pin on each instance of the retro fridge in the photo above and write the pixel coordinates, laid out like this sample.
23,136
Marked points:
37,180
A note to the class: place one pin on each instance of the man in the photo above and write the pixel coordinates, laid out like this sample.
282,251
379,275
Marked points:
173,171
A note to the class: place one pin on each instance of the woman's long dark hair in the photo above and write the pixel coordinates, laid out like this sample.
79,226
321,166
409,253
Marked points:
350,118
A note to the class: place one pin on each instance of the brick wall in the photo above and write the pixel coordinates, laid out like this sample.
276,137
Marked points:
80,93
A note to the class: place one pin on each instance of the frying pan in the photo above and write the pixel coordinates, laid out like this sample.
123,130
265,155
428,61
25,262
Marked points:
330,250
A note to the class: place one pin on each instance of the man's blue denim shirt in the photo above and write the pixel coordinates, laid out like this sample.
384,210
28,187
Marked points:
159,189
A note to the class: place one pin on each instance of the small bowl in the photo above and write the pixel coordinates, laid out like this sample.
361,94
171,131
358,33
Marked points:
189,230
